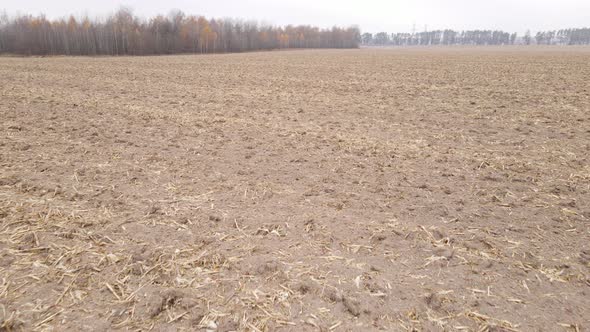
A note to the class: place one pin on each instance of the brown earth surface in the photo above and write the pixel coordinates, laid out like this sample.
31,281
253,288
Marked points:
401,189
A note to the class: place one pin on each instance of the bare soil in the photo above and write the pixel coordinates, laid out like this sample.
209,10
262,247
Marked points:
393,189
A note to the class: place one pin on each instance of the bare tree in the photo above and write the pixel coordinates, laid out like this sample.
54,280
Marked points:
527,37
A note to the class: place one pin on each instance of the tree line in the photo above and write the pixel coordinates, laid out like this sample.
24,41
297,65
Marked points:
564,37
478,37
124,33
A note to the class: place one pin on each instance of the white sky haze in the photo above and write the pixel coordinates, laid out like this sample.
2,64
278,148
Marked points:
370,15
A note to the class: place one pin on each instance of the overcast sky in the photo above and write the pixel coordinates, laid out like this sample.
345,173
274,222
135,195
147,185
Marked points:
370,15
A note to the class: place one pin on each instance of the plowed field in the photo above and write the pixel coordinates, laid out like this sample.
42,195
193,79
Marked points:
394,189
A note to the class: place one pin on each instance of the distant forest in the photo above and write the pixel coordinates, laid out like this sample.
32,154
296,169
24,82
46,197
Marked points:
478,37
123,33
